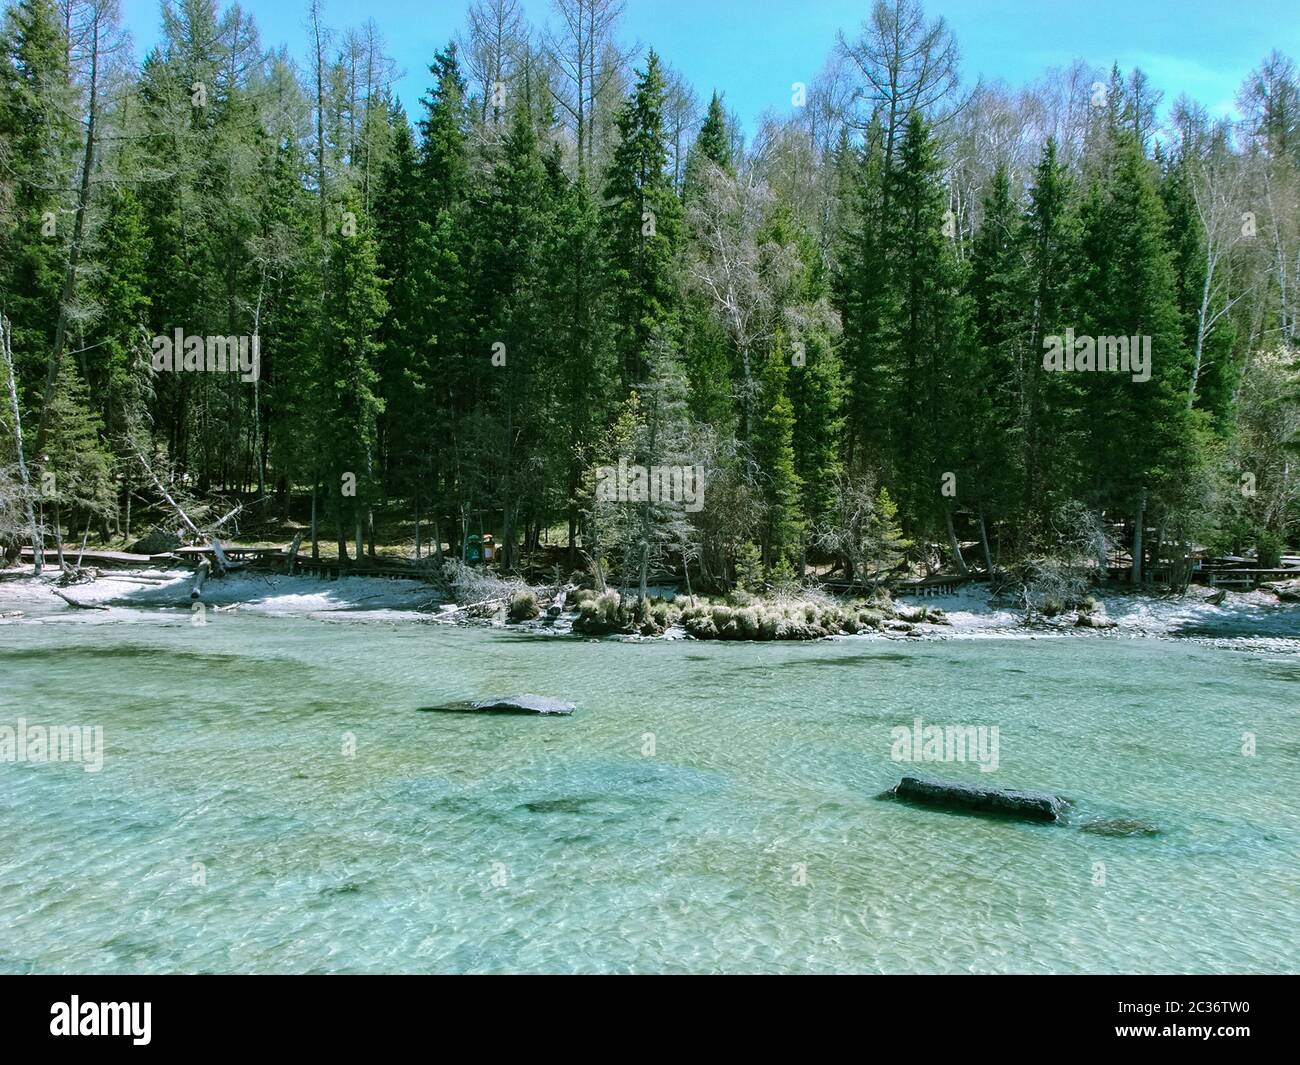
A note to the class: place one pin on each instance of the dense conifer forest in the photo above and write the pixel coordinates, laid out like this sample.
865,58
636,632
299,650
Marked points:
571,300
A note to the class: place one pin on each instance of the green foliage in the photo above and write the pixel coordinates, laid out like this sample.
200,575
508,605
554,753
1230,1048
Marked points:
643,227
475,312
749,567
774,453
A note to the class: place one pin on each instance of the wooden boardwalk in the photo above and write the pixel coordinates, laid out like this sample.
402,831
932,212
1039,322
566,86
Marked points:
941,584
273,558
1228,576
99,558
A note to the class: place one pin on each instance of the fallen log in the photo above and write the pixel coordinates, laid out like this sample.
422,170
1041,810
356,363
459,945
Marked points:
200,577
975,798
80,606
292,553
166,494
454,608
223,564
557,604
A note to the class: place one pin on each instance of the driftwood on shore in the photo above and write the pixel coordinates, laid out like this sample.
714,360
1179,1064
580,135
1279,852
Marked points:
450,609
80,606
199,579
292,553
557,604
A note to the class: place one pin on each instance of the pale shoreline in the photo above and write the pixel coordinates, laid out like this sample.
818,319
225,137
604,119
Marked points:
163,595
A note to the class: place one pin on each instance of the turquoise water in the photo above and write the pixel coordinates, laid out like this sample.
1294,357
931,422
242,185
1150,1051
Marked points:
709,808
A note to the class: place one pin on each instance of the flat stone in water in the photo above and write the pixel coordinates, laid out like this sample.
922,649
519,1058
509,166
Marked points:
952,794
510,704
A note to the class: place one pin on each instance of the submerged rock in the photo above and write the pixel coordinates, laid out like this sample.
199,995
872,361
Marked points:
509,704
1119,826
954,795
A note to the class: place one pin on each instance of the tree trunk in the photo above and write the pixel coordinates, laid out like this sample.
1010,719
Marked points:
315,528
953,543
1102,561
1158,546
38,541
1137,537
293,551
74,249
417,520
984,543
58,535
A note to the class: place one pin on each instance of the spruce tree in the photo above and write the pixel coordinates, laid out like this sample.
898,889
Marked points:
774,454
643,219
1137,435
349,404
38,124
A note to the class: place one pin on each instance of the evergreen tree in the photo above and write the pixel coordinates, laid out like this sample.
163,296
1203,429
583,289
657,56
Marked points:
1049,239
585,368
38,126
927,342
867,303
349,404
774,454
713,145
643,224
998,290
77,464
119,291
1137,434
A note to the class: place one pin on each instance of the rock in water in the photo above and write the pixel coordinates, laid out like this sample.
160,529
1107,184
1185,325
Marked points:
954,795
1119,826
509,704
525,704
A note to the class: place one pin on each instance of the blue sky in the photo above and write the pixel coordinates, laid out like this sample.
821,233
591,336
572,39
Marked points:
754,49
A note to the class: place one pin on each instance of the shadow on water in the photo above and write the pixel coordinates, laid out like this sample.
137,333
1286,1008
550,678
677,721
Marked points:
1279,623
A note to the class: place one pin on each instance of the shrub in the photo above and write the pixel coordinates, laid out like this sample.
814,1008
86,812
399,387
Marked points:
523,606
701,626
1268,550
747,623
603,615
749,567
